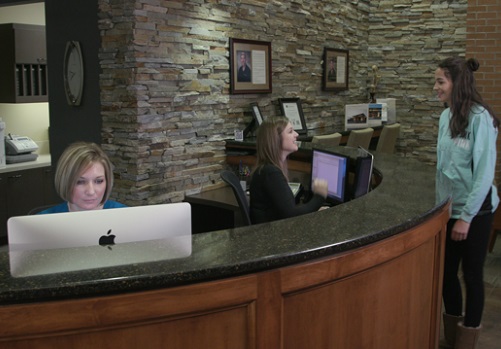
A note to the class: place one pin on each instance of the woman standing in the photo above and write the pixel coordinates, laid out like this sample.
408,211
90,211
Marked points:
270,195
466,160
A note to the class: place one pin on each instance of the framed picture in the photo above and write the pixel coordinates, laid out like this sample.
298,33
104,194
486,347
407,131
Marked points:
292,110
250,66
356,116
336,68
258,117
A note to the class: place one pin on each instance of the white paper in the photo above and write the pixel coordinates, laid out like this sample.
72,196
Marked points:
258,67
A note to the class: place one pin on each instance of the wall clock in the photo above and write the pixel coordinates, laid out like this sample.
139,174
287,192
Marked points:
73,73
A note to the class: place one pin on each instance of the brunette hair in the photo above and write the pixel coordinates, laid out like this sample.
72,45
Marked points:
269,144
464,93
75,160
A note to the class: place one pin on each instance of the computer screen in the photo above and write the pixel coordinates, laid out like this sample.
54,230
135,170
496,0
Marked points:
72,241
363,173
333,168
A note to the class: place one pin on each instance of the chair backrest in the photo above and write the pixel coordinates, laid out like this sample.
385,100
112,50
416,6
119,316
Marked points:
360,138
332,139
232,179
35,210
388,138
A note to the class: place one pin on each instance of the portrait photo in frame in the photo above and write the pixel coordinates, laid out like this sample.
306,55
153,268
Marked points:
336,69
250,66
292,110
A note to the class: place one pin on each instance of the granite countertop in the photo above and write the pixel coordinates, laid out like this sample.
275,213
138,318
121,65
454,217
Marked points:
42,160
405,198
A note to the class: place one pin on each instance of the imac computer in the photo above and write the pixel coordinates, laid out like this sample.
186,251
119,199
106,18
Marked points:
333,168
73,241
363,173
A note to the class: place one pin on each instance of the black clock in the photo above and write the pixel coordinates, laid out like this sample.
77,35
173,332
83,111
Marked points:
73,73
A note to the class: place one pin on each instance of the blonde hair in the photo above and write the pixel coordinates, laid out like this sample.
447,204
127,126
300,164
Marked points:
75,160
269,144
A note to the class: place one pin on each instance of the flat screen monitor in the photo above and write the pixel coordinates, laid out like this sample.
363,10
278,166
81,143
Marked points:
256,113
63,242
333,168
363,173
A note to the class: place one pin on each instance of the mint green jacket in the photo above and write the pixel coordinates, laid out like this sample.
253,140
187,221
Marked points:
466,166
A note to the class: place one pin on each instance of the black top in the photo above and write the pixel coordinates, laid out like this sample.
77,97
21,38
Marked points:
244,75
271,197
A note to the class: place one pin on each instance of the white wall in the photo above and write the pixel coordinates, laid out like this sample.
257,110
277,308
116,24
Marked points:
29,119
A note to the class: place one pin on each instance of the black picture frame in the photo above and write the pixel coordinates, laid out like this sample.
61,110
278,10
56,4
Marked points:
256,55
336,69
256,113
292,109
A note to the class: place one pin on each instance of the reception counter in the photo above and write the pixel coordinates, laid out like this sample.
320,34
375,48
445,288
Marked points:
364,274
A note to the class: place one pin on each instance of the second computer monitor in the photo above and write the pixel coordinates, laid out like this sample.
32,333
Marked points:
333,168
363,173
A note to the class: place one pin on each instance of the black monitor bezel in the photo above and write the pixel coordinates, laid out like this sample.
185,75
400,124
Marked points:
256,114
330,199
367,182
294,119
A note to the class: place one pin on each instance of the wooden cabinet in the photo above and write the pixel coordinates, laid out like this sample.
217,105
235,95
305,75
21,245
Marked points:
23,63
24,191
20,191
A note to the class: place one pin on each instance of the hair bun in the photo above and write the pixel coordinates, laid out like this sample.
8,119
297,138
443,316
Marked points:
472,64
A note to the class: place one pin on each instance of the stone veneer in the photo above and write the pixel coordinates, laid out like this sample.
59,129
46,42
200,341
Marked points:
166,105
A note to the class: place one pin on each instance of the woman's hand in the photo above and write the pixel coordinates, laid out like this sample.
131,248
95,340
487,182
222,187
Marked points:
319,187
460,230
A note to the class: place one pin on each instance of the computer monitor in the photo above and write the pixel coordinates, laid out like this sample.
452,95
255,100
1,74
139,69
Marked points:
332,167
363,173
63,242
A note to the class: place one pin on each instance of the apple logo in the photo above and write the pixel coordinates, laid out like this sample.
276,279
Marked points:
107,240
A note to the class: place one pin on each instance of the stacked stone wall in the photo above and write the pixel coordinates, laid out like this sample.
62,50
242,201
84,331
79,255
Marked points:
165,82
407,41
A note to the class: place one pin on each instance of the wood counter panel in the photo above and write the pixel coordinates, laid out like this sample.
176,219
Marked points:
357,260
383,295
360,311
355,300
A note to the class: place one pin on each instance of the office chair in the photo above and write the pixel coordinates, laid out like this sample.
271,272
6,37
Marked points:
360,138
232,179
39,209
388,138
332,139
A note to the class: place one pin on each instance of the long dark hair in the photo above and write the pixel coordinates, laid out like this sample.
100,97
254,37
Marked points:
464,93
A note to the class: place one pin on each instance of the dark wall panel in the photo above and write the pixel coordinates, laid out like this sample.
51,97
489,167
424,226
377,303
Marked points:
65,21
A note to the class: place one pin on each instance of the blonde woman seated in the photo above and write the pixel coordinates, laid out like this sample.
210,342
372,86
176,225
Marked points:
270,195
84,179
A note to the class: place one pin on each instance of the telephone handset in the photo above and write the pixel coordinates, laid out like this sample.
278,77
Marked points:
15,145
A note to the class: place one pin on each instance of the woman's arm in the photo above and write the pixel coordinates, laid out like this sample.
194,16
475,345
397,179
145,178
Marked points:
282,198
484,161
